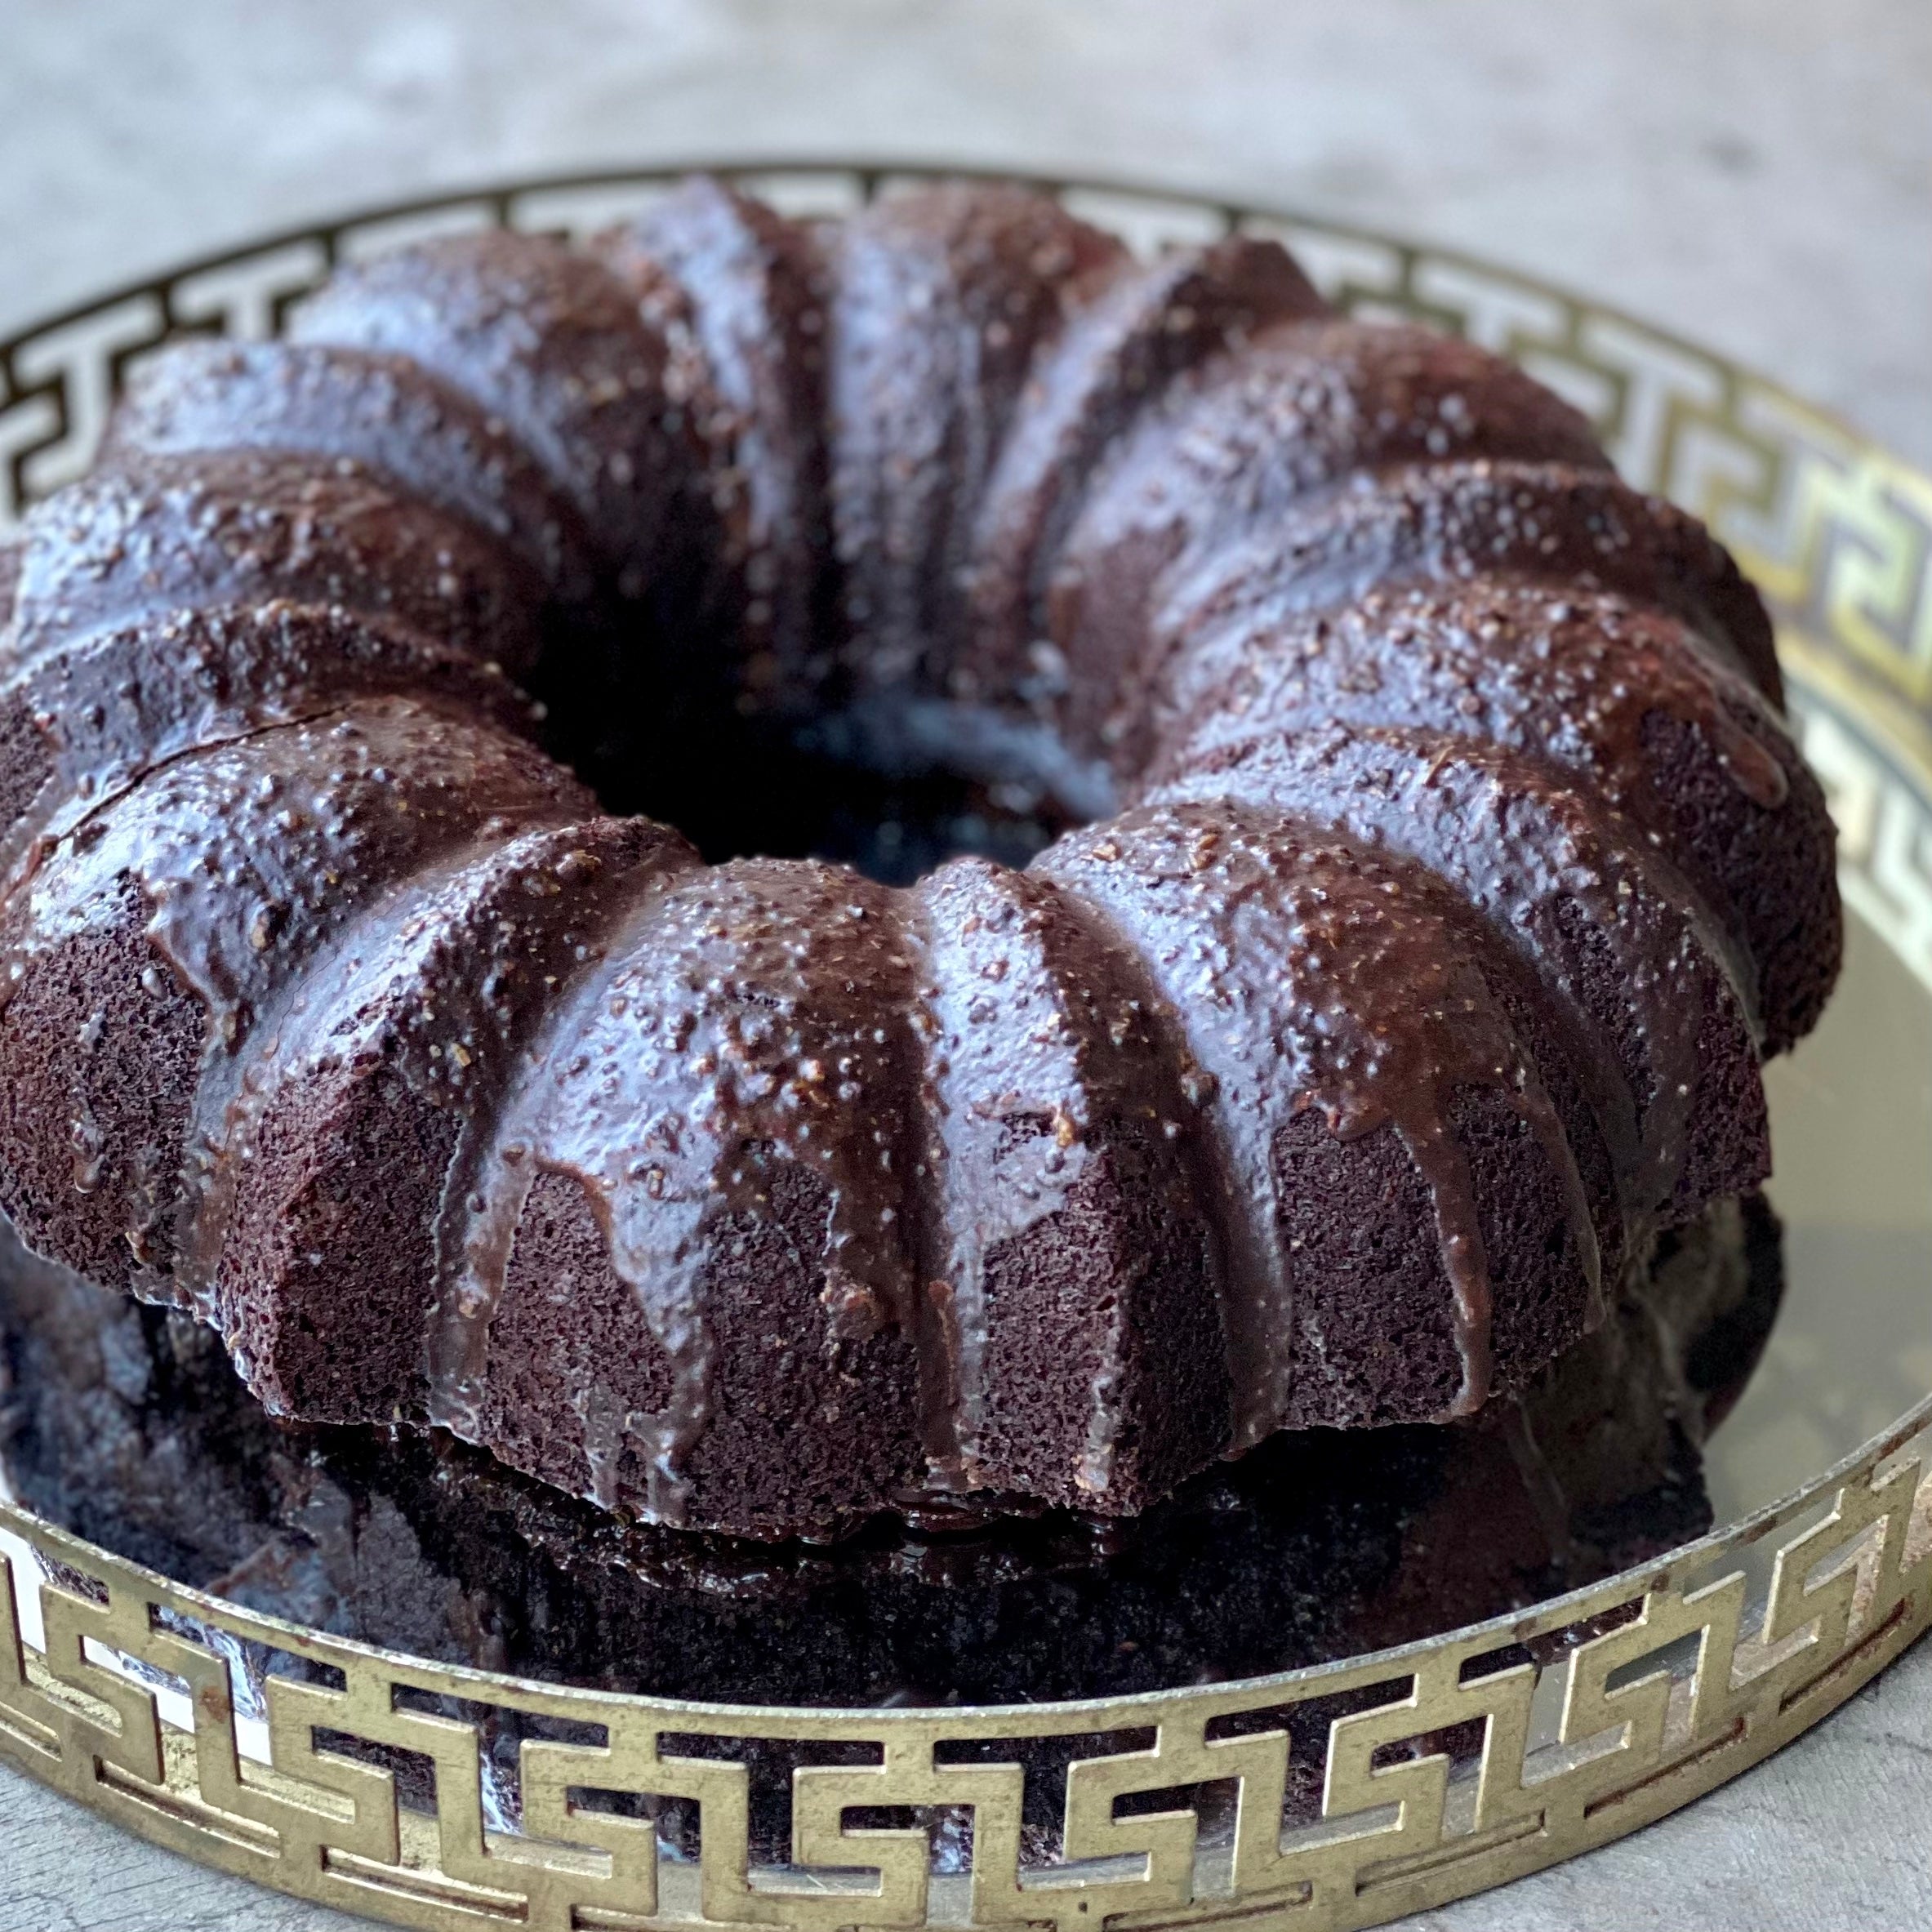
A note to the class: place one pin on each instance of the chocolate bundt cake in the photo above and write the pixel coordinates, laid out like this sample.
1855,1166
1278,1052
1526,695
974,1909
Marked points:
1423,868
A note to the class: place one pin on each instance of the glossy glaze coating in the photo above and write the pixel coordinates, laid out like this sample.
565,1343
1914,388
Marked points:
1450,868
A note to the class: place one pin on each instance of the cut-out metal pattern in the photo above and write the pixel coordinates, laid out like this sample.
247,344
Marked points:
1340,1796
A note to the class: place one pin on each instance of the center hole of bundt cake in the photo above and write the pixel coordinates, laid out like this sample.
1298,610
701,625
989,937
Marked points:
755,787
892,827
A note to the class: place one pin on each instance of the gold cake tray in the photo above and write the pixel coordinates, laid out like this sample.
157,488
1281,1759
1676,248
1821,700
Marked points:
146,1702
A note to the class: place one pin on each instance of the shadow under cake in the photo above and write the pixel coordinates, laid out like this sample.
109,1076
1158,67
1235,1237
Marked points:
127,1425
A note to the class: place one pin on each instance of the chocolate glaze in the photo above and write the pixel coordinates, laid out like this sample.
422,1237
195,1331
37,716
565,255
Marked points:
941,302
377,1101
1618,691
1465,868
1150,327
230,527
97,716
1302,974
1048,1090
749,1014
740,294
1457,520
234,870
1569,882
1571,676
1230,447
551,344
384,412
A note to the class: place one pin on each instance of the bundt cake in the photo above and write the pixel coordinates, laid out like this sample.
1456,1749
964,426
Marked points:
1426,866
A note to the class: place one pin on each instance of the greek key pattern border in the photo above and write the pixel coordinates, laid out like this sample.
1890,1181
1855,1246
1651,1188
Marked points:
132,1696
1453,1764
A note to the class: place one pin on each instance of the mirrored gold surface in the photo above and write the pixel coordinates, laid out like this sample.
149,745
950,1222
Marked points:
1851,1114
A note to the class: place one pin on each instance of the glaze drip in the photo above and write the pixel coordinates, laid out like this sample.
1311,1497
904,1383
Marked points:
546,913
1042,1051
1601,917
1303,972
752,1012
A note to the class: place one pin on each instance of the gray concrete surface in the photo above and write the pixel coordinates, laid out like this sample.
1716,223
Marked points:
1757,173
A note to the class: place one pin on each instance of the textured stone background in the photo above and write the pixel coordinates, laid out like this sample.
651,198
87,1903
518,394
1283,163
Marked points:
1757,173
